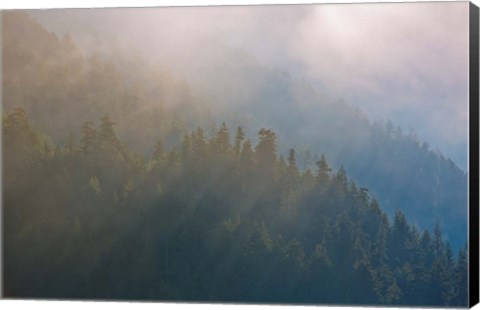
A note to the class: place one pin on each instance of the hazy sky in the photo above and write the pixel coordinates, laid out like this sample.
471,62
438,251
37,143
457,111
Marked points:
407,62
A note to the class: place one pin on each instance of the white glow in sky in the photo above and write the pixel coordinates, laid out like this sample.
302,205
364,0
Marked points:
404,62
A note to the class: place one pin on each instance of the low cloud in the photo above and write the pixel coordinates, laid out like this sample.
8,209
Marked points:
389,58
407,62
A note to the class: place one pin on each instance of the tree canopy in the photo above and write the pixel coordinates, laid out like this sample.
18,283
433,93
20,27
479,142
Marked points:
206,221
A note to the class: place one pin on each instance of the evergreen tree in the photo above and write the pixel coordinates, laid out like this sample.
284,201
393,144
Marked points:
88,141
323,172
340,181
199,144
222,140
265,153
292,164
461,277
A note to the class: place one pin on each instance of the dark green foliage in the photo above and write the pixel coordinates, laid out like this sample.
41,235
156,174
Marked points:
206,220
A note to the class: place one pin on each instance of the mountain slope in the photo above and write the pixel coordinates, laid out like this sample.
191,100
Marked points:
61,88
210,222
402,171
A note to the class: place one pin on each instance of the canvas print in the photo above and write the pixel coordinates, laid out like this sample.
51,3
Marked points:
280,154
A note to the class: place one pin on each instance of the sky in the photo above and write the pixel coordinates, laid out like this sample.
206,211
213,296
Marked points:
404,62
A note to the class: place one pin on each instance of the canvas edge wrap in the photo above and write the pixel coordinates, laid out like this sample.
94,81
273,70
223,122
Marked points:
473,240
2,294
474,157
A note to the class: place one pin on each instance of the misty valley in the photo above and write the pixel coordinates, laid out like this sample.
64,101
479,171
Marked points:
126,180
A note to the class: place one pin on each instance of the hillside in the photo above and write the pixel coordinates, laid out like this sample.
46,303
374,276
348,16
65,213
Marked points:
62,87
207,220
403,172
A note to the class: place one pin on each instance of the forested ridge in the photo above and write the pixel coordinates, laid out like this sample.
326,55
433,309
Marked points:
215,217
119,184
62,86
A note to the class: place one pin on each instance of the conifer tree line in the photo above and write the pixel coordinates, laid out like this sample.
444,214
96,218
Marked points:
217,217
63,85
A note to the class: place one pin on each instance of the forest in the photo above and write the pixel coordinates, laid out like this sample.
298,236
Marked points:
62,86
121,181
207,220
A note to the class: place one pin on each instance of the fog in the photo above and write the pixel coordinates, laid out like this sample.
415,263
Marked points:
404,62
180,121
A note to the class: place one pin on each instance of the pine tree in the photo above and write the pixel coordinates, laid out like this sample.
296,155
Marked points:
18,132
106,134
246,163
437,241
222,140
323,172
340,181
292,164
266,153
461,277
199,144
398,239
448,277
88,141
